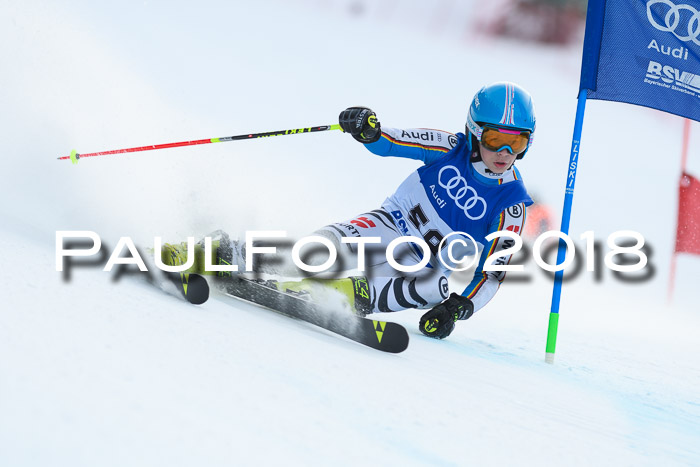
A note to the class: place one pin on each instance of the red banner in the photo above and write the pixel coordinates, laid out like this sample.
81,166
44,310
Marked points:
688,230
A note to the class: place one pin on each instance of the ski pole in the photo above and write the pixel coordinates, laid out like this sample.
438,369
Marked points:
74,156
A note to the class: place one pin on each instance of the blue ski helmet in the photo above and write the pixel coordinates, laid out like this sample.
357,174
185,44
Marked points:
502,105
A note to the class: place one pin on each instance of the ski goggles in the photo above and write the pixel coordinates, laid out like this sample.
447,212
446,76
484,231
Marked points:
496,139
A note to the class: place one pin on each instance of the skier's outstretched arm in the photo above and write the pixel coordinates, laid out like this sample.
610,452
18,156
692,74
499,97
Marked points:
421,144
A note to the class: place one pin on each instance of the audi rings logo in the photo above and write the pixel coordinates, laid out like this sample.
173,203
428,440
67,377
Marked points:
457,189
671,20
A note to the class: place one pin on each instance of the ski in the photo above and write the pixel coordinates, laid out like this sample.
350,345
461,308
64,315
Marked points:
192,287
380,335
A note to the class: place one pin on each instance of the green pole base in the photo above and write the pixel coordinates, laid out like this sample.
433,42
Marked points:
551,337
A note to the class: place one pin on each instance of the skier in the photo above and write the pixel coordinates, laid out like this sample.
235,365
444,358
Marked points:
468,184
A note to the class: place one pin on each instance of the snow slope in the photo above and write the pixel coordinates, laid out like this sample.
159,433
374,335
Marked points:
102,371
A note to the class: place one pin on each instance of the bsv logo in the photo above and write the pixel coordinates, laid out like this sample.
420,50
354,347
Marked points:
685,26
457,189
673,77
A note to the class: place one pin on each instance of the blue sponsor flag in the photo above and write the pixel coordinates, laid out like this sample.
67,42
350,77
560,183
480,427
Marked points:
642,52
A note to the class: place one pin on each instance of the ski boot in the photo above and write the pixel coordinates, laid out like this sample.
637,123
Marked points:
223,252
354,289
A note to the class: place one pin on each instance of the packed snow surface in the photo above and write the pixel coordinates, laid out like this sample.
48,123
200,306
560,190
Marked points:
101,369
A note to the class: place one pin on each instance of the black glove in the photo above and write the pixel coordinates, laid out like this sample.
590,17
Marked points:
440,321
361,123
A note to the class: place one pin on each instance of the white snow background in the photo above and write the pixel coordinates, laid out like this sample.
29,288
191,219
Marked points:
95,371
